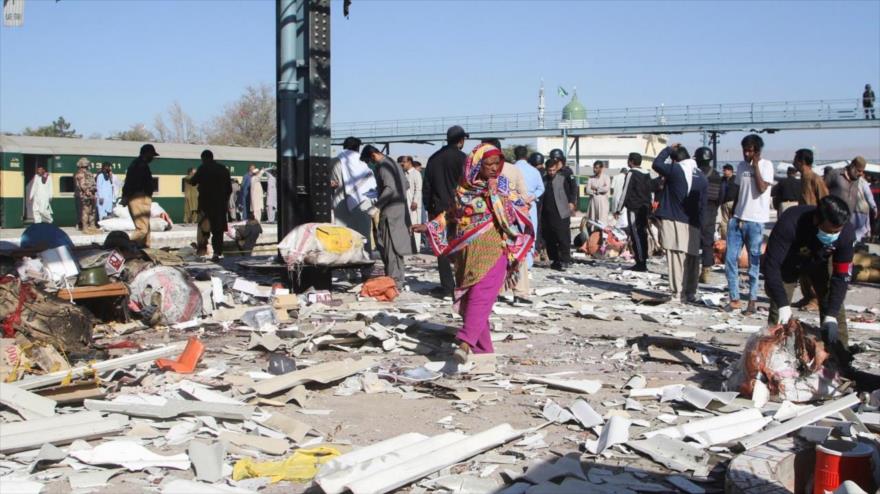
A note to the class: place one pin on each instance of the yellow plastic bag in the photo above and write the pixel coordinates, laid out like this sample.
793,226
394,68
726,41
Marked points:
335,239
302,466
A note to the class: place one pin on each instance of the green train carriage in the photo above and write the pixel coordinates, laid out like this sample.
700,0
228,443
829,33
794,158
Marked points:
20,155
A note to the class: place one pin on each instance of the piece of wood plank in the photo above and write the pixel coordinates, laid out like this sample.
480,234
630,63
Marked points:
796,423
73,393
86,292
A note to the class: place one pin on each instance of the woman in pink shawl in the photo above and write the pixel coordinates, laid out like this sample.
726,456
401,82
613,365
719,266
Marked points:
494,234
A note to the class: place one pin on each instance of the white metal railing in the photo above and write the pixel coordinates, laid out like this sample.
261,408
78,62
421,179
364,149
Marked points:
659,116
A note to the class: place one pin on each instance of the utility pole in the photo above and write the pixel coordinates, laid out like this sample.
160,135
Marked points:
303,121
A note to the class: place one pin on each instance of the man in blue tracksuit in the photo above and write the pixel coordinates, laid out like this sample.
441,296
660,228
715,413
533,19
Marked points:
682,203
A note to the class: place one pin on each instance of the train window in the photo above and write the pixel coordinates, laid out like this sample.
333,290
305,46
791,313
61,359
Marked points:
182,184
66,185
156,185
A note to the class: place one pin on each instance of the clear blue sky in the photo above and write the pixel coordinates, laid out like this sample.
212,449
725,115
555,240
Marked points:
104,65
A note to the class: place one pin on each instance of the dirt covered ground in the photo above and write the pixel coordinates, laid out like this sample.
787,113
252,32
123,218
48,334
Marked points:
588,328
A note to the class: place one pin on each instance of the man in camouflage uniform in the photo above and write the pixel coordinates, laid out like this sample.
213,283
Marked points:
84,193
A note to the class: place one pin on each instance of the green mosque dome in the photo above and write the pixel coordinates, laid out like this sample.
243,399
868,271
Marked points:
574,110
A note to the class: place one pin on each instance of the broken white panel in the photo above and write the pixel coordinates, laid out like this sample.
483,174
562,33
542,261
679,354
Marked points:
323,373
12,484
697,426
808,418
724,435
35,382
418,467
129,455
701,398
207,460
28,405
217,295
585,414
637,381
252,288
760,393
788,410
550,290
49,454
555,413
183,486
465,484
366,453
270,445
333,481
291,427
203,393
656,393
586,386
59,429
173,408
615,431
80,481
673,453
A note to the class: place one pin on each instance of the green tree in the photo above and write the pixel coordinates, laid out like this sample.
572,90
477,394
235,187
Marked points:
137,132
58,128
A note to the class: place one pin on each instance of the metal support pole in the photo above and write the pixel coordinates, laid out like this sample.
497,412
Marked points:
715,150
577,156
565,143
303,121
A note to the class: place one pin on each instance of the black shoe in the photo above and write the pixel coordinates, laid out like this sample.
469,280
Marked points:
217,258
557,266
639,268
522,300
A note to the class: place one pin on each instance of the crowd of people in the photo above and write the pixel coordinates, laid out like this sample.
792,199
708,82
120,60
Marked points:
487,219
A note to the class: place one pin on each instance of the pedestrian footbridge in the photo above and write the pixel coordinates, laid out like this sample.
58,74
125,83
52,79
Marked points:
720,118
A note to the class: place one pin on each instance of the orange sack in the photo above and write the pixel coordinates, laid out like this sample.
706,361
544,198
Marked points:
382,288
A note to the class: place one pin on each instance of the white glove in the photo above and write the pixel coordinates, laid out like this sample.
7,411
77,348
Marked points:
784,314
829,327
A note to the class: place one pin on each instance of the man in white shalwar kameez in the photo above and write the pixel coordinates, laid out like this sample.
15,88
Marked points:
41,196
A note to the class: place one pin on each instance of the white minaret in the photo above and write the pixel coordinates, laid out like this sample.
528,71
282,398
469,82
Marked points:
541,106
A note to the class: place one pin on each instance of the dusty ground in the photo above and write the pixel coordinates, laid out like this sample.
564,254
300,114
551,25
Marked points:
556,340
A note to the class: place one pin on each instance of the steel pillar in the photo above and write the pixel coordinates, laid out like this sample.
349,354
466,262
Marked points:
714,138
303,121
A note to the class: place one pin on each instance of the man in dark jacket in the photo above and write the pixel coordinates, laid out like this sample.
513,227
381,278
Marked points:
557,206
394,238
816,241
703,157
727,195
637,202
442,174
215,187
137,194
681,204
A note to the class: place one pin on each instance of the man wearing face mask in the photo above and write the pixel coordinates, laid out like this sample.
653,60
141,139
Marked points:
816,241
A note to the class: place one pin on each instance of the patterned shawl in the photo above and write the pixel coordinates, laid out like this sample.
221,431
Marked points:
482,206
